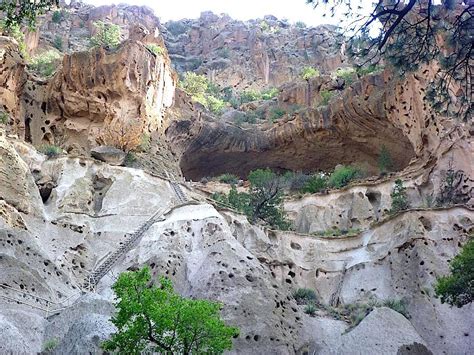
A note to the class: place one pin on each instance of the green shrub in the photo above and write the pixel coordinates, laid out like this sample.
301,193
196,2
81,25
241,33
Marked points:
300,24
457,289
309,72
58,43
194,84
130,159
107,35
201,90
316,183
155,49
361,71
50,150
269,94
336,232
326,96
343,175
304,295
450,192
46,63
398,305
385,160
310,309
145,142
239,201
58,16
295,181
228,178
15,31
214,104
276,113
266,28
50,345
3,117
346,74
249,96
399,197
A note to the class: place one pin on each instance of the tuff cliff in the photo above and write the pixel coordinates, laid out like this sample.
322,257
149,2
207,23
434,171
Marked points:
63,218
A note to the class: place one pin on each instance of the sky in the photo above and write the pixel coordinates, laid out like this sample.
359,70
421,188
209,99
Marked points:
293,10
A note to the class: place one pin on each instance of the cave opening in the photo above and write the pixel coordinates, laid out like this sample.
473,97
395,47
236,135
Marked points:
297,156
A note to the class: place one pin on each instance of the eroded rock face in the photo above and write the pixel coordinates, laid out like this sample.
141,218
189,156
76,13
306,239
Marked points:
398,258
99,91
12,79
352,129
254,54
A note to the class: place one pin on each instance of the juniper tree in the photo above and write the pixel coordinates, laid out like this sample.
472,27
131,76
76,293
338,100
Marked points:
415,32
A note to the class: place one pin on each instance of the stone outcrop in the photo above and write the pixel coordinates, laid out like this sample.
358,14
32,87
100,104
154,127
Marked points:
258,53
12,79
96,92
108,154
351,129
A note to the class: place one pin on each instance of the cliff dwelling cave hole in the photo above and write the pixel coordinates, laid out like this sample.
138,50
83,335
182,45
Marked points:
214,153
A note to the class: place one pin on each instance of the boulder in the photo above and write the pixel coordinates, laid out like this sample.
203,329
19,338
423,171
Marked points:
383,331
110,155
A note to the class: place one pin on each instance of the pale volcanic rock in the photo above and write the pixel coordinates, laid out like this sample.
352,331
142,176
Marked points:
254,54
12,79
100,88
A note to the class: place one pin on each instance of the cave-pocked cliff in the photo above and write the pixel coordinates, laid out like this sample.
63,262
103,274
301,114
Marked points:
70,224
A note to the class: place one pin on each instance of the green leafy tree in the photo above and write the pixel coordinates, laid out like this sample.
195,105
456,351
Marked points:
399,197
385,160
14,30
203,91
457,289
155,319
407,34
263,200
107,35
194,84
266,189
20,12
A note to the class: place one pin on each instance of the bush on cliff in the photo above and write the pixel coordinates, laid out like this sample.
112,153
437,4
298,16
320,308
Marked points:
309,72
343,175
399,197
46,63
155,319
107,35
155,49
203,91
457,289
